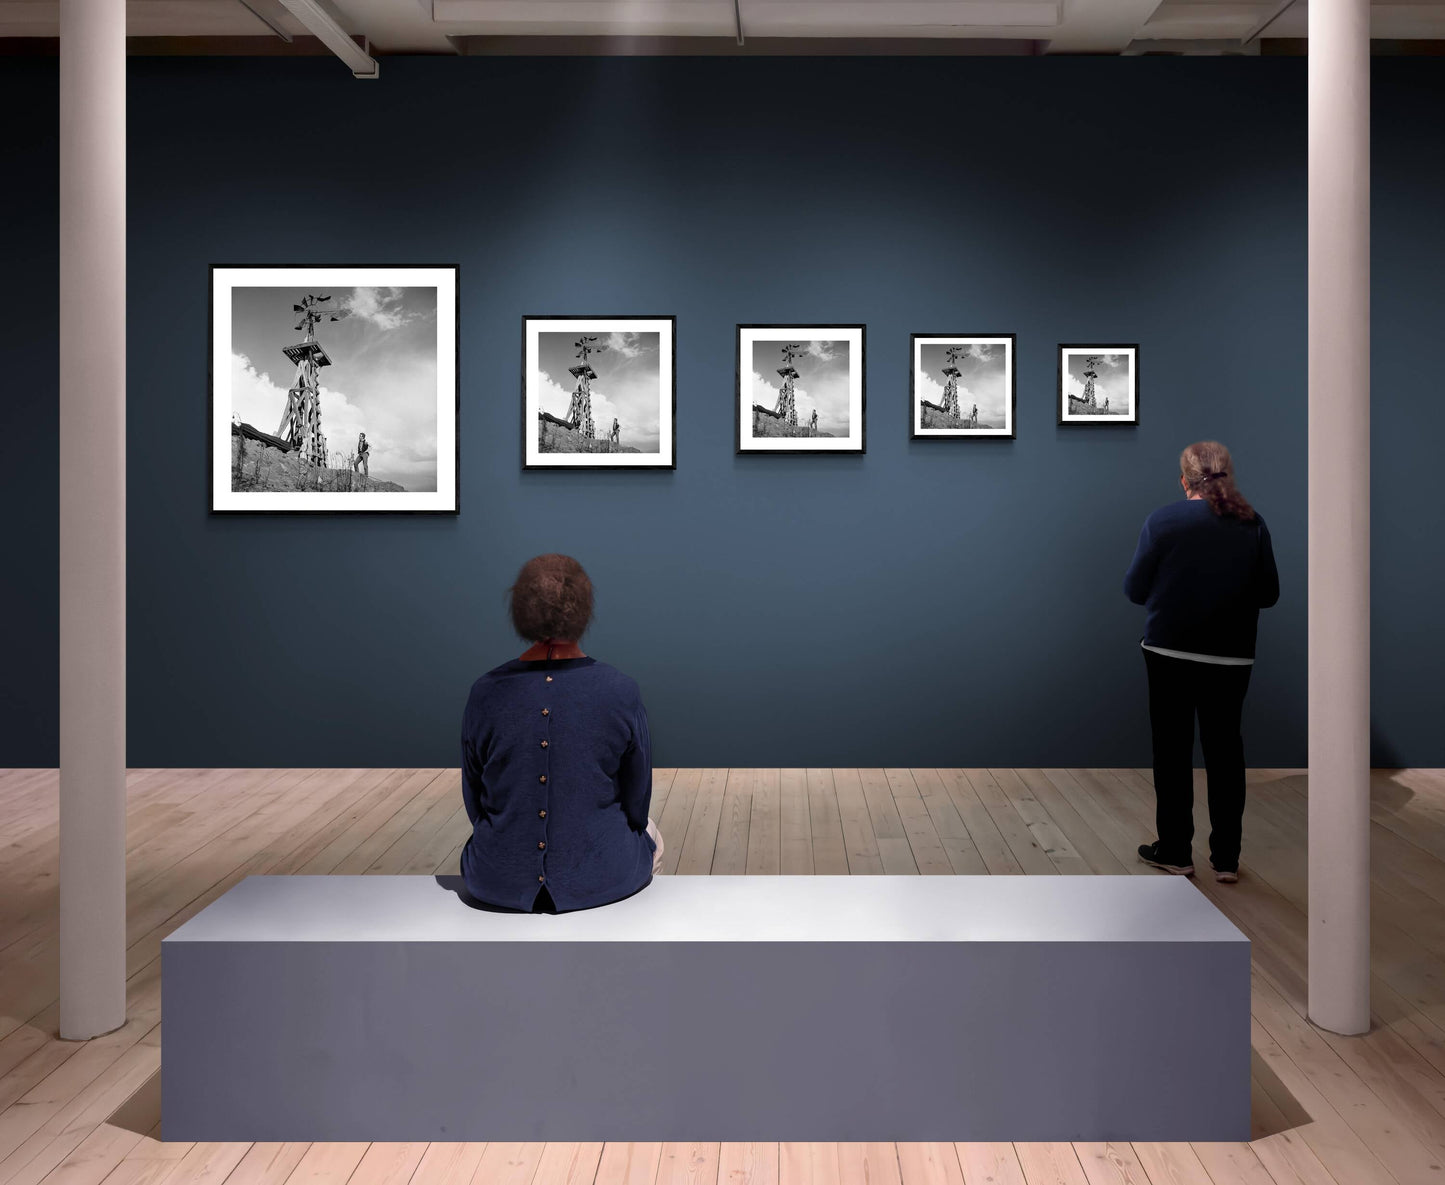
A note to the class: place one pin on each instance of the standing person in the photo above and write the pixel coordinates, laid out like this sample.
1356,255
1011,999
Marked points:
363,451
1204,568
556,762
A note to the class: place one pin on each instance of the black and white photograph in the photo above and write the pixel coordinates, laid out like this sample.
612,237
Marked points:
962,386
800,389
334,389
599,392
1098,384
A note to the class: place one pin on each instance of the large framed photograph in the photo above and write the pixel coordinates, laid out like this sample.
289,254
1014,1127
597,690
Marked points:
962,386
1098,384
334,389
599,392
800,389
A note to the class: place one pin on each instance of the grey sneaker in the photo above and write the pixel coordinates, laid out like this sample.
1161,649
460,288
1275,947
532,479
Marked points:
1226,876
1147,854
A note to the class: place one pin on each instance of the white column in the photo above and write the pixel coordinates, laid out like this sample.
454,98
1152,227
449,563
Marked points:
92,517
1339,514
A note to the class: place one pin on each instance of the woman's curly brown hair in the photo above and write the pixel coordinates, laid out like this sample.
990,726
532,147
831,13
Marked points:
1209,472
551,599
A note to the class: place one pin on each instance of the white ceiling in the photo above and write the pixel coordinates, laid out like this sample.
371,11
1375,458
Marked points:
1068,26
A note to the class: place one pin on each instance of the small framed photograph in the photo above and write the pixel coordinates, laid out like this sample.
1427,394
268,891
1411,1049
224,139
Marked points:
334,389
800,389
962,386
599,393
1098,384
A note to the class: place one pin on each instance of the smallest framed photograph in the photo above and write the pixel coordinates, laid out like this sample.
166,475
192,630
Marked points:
1098,384
599,392
962,386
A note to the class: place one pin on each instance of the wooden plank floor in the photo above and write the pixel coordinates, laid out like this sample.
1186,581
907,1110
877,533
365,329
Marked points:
1326,1109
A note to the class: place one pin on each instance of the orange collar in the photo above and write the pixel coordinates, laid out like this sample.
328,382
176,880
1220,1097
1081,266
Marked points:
552,648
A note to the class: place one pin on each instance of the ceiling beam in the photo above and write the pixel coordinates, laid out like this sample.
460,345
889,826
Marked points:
269,13
555,45
1100,26
776,18
320,18
1275,13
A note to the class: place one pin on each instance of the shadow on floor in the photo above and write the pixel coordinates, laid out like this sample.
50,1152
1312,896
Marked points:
1272,1109
141,1113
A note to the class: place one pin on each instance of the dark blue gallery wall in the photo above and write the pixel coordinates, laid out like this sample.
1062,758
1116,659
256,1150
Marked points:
928,603
29,419
1407,318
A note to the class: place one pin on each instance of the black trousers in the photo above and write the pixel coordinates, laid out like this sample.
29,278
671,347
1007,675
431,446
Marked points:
1179,690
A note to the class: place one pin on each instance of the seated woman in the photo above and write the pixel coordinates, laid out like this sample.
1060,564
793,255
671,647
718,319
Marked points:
556,762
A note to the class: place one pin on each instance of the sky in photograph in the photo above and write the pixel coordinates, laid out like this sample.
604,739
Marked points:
822,381
626,387
1112,382
382,379
983,380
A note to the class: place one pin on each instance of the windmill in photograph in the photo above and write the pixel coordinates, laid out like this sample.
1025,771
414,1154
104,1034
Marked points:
301,421
580,413
298,456
1088,403
782,420
949,413
578,432
952,374
787,405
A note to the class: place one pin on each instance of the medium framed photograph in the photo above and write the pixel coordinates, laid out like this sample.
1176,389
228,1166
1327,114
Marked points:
599,393
334,389
962,386
800,389
1098,384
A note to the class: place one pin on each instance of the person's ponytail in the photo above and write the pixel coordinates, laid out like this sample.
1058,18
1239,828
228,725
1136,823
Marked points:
1209,472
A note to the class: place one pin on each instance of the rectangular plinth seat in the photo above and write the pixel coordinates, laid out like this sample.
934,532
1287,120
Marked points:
710,1008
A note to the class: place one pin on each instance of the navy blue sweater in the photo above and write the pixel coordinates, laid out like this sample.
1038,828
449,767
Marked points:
1203,578
557,779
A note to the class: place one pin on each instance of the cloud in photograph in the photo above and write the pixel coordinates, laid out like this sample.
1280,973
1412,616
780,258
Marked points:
383,307
628,345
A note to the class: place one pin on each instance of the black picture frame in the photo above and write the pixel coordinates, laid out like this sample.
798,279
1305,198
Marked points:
529,421
1096,421
456,507
965,434
789,328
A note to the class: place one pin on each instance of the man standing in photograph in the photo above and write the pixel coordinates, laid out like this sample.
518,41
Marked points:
362,451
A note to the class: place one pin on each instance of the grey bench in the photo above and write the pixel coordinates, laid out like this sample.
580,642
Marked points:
710,1008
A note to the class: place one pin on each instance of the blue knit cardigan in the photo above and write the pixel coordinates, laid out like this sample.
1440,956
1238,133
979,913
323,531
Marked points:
556,779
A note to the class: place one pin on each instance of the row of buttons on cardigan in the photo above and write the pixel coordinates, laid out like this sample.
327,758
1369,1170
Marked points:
542,814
